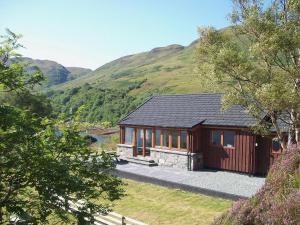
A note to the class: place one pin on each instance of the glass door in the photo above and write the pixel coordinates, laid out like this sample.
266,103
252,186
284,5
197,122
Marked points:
148,141
139,143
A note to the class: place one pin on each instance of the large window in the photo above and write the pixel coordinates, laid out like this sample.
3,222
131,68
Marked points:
128,135
157,137
216,137
165,138
175,135
223,138
144,137
229,139
148,138
183,136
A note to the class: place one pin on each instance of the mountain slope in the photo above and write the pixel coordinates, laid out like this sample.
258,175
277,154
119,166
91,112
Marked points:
170,69
54,72
76,72
114,89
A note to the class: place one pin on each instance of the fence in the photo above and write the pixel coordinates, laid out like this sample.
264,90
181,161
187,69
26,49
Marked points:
111,218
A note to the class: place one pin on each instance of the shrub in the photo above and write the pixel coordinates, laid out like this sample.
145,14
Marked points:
278,201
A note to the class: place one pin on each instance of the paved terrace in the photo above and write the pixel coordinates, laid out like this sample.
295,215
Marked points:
216,183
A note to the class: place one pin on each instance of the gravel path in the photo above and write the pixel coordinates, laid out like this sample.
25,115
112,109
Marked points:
219,183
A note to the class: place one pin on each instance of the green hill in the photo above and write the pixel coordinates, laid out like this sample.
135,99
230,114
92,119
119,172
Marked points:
76,72
114,89
170,69
54,72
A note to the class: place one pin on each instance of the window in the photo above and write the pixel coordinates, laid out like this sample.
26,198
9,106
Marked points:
128,135
166,138
157,137
140,136
183,136
223,138
148,138
229,139
276,146
175,135
216,137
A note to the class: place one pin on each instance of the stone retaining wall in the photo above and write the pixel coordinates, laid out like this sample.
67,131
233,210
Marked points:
168,158
124,150
176,159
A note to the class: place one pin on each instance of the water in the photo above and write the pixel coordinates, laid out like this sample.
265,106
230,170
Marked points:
100,138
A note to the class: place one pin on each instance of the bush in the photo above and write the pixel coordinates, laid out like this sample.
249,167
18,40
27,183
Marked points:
278,201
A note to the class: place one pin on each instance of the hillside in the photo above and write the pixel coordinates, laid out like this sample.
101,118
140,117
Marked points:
76,72
54,72
170,69
130,80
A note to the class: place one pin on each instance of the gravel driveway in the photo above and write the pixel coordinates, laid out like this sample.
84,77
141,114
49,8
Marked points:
219,183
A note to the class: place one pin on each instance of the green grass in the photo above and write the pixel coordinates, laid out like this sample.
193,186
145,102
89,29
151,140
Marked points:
160,205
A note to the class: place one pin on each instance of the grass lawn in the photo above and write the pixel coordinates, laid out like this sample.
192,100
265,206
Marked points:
160,205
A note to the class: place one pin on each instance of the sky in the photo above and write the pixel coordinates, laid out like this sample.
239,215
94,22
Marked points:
90,33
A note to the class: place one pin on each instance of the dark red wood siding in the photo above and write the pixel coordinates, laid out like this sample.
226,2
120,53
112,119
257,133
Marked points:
240,158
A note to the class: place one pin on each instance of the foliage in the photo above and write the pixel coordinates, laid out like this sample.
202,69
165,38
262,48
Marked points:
40,167
105,106
278,202
258,61
36,103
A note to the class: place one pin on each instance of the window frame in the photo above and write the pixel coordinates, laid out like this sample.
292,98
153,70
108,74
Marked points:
221,145
211,138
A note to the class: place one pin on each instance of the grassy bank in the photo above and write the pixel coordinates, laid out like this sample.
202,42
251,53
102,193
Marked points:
160,205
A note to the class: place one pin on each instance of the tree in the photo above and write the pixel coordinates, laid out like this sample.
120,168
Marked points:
40,169
256,60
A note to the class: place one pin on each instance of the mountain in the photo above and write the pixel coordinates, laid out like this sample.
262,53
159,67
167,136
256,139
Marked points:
116,88
77,72
54,72
170,69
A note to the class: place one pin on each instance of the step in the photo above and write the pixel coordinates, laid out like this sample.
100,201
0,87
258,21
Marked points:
144,159
140,162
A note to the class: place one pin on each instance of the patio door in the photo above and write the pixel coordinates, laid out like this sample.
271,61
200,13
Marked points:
148,141
144,141
139,141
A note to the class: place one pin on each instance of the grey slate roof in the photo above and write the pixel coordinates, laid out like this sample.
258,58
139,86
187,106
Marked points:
187,111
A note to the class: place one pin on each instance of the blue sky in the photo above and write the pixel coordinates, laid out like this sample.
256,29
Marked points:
90,33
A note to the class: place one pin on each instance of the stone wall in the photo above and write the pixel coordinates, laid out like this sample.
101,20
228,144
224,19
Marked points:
176,159
124,151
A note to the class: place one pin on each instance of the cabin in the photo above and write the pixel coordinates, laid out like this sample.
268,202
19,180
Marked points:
192,132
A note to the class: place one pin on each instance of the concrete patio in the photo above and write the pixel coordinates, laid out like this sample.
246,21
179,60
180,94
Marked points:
216,183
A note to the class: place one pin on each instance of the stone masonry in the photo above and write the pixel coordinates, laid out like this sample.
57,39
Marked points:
166,158
125,151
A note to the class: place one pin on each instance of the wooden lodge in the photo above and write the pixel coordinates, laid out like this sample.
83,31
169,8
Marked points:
192,132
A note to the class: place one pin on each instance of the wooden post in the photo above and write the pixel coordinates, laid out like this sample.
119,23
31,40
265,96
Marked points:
188,141
153,138
222,138
123,220
170,139
122,132
144,142
192,141
179,139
